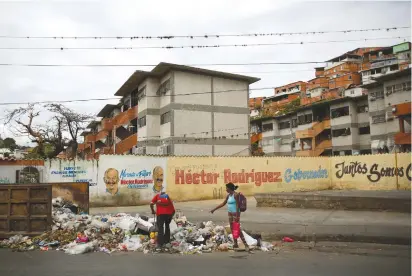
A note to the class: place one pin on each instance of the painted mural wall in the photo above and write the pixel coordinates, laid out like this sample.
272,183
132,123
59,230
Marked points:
197,178
126,180
129,180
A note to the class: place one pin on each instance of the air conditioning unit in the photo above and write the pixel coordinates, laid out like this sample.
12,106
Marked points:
373,99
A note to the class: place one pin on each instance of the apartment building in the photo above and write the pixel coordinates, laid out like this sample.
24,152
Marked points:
190,111
389,105
335,127
386,60
336,116
114,133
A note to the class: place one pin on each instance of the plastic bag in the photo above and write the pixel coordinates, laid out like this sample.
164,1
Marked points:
127,223
249,240
80,248
236,230
173,227
132,244
143,225
99,224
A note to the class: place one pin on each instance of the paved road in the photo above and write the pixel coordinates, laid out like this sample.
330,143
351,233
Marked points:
286,262
303,224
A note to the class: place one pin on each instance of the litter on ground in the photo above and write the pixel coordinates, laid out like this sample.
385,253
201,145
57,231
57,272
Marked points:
82,233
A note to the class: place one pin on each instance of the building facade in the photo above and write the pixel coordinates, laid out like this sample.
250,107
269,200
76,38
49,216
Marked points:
346,109
177,110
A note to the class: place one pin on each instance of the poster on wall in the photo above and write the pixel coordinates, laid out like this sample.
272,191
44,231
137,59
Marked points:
129,180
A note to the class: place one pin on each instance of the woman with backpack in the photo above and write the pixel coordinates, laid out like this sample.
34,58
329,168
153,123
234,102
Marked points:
234,201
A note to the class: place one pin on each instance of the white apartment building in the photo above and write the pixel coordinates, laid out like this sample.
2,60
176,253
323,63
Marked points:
386,94
347,133
185,110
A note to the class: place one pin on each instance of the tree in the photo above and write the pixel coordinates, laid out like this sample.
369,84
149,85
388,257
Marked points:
59,133
9,143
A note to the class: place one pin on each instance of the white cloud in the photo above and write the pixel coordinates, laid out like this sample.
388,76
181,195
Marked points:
132,18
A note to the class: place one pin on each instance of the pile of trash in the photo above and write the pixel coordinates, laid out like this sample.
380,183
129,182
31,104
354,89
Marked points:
80,233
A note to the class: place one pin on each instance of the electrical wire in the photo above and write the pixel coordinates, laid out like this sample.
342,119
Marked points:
205,36
154,65
149,96
199,46
166,95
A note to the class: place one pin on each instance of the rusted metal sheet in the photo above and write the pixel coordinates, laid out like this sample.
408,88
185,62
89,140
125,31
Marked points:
25,209
75,192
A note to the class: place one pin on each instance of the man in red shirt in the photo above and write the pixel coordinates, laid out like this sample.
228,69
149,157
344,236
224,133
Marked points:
165,211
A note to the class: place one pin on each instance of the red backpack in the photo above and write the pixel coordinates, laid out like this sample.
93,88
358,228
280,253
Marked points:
242,202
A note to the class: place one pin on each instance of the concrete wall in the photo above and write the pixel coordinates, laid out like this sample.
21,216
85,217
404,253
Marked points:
197,178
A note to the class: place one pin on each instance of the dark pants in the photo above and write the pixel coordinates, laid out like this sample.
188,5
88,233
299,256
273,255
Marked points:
163,226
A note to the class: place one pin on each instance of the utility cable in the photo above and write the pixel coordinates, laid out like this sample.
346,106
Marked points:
199,46
205,36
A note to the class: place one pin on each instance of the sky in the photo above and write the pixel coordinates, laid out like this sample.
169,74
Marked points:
156,18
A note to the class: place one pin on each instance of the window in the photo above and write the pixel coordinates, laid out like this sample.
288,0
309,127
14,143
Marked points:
341,132
141,93
164,87
405,86
284,125
141,122
363,108
267,127
305,119
165,118
364,130
294,122
340,112
378,119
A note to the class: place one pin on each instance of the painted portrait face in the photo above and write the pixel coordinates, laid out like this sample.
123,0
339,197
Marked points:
111,179
157,179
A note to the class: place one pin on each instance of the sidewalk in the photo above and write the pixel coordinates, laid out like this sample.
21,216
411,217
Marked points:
300,224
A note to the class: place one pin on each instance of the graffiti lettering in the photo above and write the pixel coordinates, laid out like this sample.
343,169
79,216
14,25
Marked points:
246,177
142,173
353,168
374,174
195,178
302,175
4,180
182,177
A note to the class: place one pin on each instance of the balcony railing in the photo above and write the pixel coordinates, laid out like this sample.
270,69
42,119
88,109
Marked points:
314,131
402,138
126,144
319,149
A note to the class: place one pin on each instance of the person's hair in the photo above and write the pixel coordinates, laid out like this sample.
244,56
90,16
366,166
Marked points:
156,168
109,170
231,186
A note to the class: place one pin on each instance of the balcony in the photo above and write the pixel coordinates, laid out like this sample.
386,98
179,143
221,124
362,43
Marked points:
319,149
314,131
126,144
255,138
402,138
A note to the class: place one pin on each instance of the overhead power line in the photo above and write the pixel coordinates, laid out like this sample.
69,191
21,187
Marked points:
153,65
206,36
200,46
166,95
148,96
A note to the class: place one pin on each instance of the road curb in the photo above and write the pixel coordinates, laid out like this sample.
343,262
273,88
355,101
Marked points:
339,238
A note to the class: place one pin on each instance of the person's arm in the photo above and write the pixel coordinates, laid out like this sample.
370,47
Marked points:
153,203
220,205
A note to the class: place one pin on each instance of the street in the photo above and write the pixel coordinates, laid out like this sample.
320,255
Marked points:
286,262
